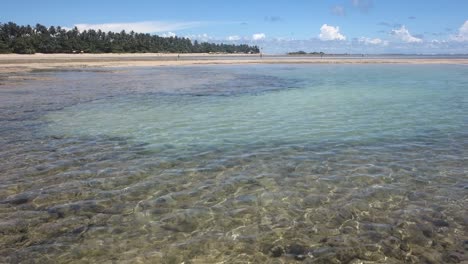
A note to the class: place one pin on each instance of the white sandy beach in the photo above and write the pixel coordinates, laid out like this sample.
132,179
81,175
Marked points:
10,63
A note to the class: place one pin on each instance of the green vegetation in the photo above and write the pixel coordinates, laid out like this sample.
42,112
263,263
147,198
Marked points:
301,52
29,40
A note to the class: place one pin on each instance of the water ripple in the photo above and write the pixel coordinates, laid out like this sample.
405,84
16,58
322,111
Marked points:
321,164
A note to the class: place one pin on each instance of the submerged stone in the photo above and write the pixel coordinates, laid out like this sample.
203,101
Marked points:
276,251
440,223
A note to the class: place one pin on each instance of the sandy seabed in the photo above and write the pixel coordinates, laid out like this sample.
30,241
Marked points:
249,163
11,63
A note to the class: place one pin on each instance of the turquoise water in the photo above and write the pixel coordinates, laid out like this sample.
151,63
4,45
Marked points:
360,104
315,163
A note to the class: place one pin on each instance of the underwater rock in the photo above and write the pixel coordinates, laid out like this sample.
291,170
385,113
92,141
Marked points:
453,257
19,199
380,228
391,246
296,249
440,223
405,246
276,251
83,208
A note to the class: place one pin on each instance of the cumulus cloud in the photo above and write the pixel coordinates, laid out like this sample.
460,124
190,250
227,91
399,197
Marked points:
338,10
233,38
258,36
168,34
462,32
404,35
140,27
330,33
373,41
200,37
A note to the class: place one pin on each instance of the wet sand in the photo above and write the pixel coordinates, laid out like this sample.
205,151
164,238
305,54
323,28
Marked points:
12,63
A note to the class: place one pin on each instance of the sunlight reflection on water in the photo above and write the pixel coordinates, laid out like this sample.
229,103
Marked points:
321,163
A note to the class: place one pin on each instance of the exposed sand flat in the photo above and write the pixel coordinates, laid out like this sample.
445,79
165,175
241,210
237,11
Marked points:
10,63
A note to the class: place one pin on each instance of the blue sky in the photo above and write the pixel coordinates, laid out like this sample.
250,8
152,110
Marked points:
352,26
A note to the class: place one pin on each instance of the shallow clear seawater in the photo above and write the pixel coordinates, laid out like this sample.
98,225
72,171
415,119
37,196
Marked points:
258,163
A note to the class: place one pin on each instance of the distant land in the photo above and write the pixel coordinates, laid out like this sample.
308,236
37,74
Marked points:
376,55
301,52
40,39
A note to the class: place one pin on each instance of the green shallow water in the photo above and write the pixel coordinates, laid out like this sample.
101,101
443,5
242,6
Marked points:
314,163
340,107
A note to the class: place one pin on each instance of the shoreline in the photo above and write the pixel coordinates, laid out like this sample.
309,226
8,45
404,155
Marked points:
13,63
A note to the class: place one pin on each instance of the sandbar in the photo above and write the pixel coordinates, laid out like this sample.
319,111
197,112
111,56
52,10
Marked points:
13,63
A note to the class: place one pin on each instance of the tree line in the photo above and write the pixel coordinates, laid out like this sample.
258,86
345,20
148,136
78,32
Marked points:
29,40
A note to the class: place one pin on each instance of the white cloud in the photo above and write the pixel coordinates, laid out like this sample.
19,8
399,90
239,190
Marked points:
404,35
200,37
168,34
272,45
233,38
462,33
330,33
140,27
373,41
258,36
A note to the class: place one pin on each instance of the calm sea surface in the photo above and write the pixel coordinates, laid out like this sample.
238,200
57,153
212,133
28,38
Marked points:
257,163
